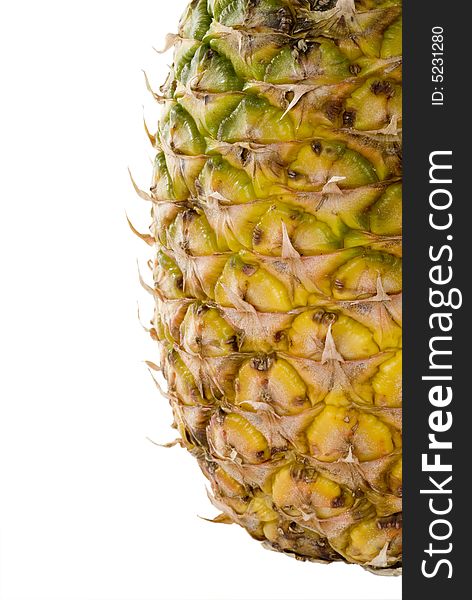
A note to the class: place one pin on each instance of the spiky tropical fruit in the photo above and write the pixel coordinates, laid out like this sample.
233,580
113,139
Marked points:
276,204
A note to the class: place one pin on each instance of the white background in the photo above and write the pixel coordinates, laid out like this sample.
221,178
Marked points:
89,509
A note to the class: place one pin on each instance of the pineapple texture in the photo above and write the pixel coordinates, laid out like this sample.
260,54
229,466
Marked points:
276,222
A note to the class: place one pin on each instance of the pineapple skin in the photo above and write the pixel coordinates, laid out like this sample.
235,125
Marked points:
276,218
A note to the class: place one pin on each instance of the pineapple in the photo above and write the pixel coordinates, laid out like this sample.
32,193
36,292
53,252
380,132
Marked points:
276,219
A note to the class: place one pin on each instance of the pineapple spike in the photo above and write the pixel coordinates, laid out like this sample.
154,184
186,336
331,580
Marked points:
143,195
150,241
176,442
159,99
153,366
222,519
159,387
146,329
298,91
169,42
154,292
331,186
330,351
151,137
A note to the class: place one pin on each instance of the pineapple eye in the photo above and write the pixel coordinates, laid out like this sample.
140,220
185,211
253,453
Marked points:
318,315
333,109
322,5
382,87
281,20
244,155
289,96
349,117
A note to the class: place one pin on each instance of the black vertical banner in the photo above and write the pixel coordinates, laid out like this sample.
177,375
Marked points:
437,408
